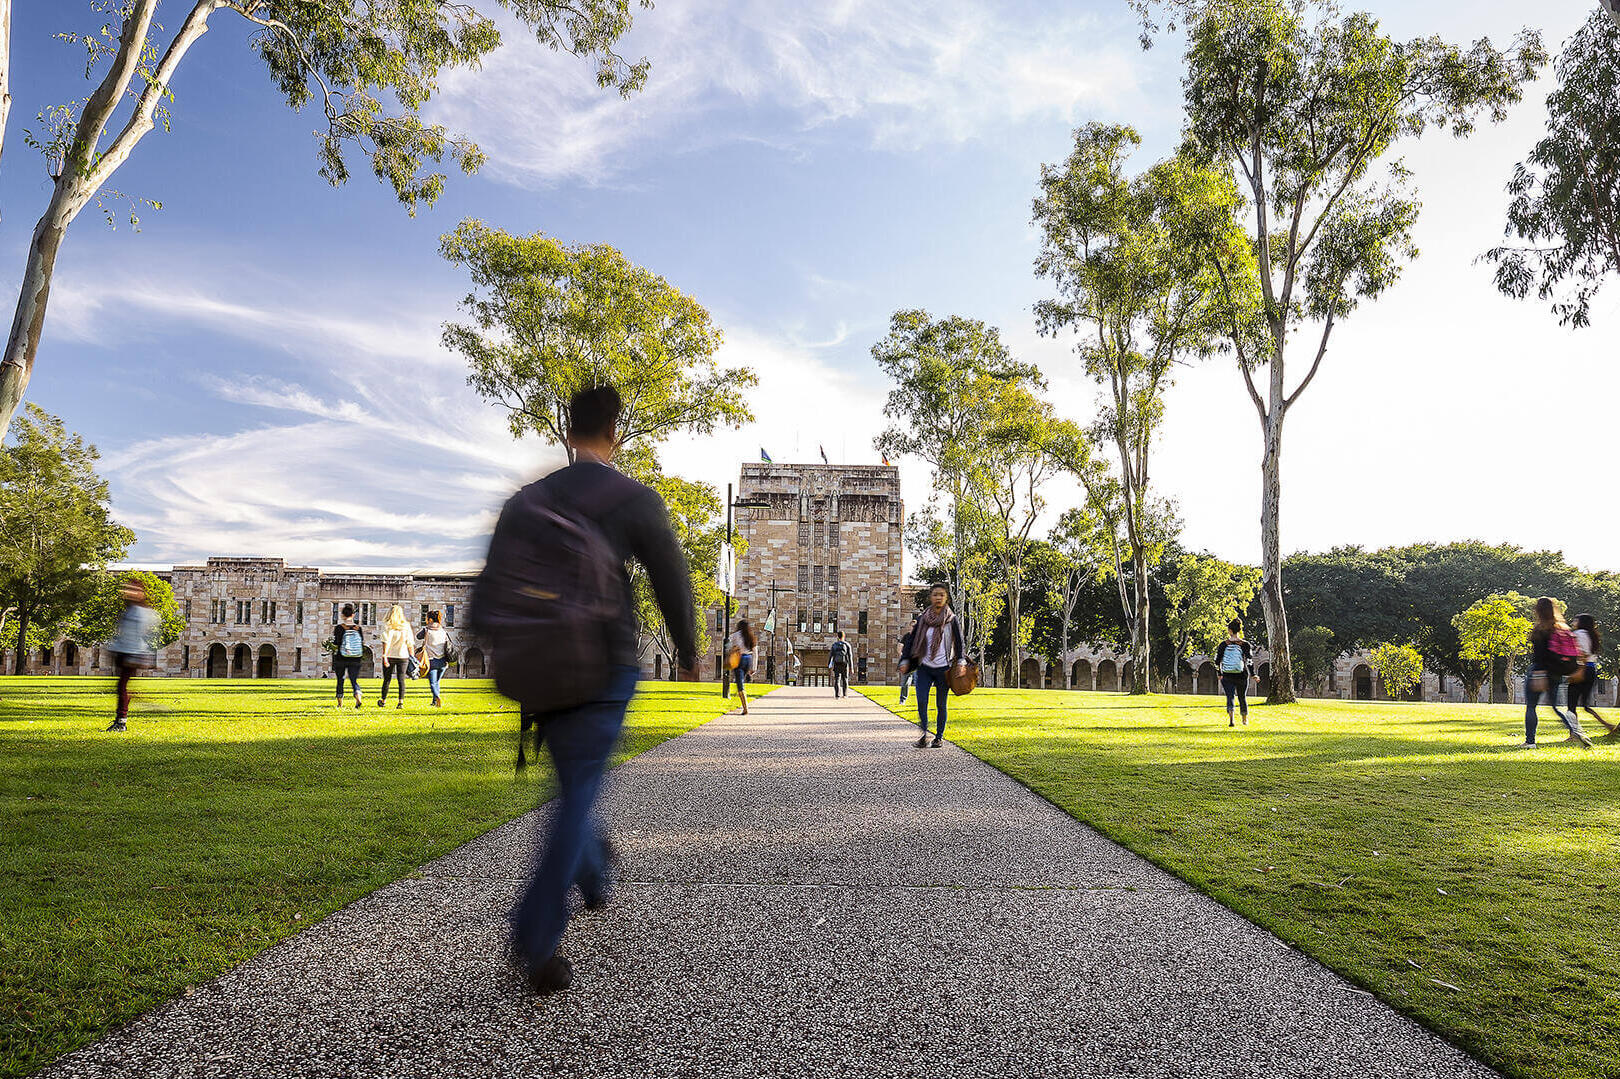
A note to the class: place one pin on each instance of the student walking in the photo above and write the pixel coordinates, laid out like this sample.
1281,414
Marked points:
348,648
1235,661
740,657
838,659
1580,688
628,520
932,648
132,645
908,674
435,654
396,651
1554,654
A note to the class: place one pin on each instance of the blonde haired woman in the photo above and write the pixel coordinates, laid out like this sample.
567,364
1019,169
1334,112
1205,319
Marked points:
396,640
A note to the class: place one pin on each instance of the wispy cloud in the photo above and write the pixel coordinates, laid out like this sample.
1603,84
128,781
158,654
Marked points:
912,73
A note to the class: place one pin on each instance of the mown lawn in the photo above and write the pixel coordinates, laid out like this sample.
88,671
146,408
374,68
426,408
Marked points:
1471,885
230,816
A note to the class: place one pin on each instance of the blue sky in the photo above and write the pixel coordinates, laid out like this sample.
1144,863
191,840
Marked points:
260,363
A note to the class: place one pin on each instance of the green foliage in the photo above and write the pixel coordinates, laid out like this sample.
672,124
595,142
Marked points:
1491,631
1564,217
549,320
56,529
1205,595
96,621
231,816
1313,654
1400,666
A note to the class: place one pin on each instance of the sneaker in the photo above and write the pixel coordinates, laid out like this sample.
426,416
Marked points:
937,742
1579,738
118,725
381,702
923,741
552,976
1525,745
401,704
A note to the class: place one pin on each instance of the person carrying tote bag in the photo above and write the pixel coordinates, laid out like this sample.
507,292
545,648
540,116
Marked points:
934,648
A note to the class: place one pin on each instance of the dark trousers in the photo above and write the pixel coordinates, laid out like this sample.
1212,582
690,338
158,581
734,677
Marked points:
932,678
1236,685
1532,697
126,671
840,679
1580,693
580,739
393,668
346,668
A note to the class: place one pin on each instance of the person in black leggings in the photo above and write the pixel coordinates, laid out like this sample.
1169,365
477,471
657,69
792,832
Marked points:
1235,660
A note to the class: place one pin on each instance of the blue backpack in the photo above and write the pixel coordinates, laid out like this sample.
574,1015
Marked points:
1232,658
351,648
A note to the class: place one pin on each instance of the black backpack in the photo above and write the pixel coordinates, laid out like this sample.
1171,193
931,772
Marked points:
547,599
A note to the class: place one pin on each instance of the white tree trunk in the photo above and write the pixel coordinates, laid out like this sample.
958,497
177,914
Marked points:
1281,689
5,70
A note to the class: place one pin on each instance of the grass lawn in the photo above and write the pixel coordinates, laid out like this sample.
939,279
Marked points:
1471,885
230,816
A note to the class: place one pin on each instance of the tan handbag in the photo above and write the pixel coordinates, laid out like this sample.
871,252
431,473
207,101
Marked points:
734,659
963,679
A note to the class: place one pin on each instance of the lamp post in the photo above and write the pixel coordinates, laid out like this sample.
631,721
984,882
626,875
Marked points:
741,503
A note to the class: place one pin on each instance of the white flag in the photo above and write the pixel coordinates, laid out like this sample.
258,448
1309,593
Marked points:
725,572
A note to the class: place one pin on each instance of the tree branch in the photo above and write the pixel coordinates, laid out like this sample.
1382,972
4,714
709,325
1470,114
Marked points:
1321,350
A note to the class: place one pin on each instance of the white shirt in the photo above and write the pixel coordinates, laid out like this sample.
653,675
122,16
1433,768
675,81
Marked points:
1585,640
397,642
434,642
940,654
737,642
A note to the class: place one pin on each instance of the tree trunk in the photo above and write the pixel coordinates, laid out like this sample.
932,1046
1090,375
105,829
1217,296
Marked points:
1139,632
1063,654
1015,660
22,640
17,367
1281,690
5,69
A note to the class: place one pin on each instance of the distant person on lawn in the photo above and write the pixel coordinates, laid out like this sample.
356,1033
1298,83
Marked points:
838,658
348,649
1554,655
741,647
435,653
908,674
932,648
1580,692
1235,660
396,640
633,521
132,645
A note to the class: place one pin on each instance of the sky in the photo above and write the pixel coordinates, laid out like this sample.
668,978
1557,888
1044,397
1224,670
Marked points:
259,364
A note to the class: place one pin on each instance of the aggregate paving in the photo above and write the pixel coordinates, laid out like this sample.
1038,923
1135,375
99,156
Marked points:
804,893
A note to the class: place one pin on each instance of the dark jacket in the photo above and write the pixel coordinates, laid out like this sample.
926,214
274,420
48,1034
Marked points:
958,649
635,523
838,654
1541,653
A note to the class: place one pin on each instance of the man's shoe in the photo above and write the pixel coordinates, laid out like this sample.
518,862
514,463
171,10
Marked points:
923,741
401,704
937,742
118,725
381,702
552,976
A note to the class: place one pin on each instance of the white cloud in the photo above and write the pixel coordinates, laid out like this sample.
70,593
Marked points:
912,73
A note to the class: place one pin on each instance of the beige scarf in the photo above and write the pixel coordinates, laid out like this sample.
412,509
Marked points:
930,631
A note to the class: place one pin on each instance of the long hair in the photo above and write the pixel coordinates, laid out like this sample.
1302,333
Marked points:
1548,617
396,618
1589,624
747,632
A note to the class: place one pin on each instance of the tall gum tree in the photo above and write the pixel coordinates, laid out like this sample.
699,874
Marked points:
369,65
1141,298
1304,104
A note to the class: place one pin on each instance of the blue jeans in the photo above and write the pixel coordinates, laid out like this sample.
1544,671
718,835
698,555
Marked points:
347,668
580,739
1532,697
435,672
745,667
932,677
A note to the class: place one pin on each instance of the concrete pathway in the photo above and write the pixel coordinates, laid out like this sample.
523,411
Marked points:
806,894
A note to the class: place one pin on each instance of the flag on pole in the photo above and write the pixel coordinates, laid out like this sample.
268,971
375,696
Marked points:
763,456
823,450
885,460
770,621
725,572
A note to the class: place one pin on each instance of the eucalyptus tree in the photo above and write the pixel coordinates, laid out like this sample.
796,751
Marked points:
1074,548
549,319
1304,105
1564,218
369,66
1125,257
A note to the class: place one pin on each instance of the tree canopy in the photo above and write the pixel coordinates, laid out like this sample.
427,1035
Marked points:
96,620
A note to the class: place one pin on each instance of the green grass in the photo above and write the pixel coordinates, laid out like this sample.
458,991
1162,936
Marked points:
230,816
1402,845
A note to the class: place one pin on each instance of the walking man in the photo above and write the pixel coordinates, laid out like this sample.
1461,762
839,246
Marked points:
634,523
838,659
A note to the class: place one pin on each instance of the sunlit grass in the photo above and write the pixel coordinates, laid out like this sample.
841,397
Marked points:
229,816
1403,845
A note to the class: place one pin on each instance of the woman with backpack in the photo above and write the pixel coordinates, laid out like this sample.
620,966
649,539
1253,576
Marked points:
1235,660
348,648
396,650
1554,655
740,657
435,653
1584,681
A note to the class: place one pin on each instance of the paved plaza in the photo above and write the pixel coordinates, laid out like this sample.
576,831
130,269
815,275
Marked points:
805,894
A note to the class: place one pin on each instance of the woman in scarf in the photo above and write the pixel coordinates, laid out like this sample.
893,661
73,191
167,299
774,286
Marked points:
932,647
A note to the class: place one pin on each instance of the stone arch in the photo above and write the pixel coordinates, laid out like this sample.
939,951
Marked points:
241,662
1029,673
70,654
267,662
1207,680
218,664
1361,683
658,666
1263,672
1050,677
1125,673
1107,677
1082,674
472,663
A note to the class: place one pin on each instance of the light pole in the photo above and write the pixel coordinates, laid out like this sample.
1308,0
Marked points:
741,503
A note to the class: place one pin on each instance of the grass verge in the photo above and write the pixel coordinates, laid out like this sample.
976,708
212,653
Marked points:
1411,848
231,815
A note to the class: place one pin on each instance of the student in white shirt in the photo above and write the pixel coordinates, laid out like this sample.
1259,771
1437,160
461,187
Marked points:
396,650
1580,692
435,653
741,645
